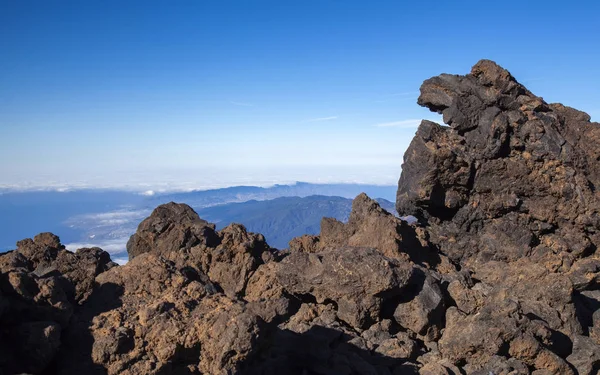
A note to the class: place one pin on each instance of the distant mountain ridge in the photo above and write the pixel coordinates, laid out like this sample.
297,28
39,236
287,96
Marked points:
206,198
106,218
284,218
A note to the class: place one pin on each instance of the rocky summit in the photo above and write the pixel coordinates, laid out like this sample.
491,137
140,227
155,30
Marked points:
499,275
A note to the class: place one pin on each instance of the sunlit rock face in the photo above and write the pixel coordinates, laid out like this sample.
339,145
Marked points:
510,177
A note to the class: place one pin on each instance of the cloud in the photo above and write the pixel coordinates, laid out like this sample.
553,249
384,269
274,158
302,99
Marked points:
113,246
241,104
412,123
121,260
322,119
112,218
108,222
148,193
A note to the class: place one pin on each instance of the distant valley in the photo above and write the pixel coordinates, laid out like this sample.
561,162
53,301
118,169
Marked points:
282,219
106,219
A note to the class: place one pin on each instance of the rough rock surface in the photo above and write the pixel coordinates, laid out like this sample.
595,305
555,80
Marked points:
511,177
171,227
41,285
500,275
508,192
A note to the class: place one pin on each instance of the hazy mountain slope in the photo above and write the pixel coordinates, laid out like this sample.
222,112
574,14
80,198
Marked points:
106,218
299,189
282,219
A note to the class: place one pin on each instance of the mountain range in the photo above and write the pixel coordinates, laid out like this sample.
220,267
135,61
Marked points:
105,218
282,219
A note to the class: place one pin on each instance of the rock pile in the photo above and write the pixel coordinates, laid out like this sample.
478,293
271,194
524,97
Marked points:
500,275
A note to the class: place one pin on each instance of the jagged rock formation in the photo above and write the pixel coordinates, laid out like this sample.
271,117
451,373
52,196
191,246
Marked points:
500,276
41,286
511,177
508,192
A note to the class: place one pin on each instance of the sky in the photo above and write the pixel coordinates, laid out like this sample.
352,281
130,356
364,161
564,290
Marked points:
196,94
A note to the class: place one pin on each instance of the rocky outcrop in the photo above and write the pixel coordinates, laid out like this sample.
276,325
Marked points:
171,227
508,192
510,177
41,285
357,280
500,275
370,225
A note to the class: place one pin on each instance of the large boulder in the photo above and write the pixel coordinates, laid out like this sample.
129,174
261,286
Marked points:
148,317
41,285
510,177
507,190
170,227
369,225
356,279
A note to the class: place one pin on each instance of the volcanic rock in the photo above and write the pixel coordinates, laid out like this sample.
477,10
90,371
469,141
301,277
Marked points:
41,285
370,225
356,279
171,227
507,192
510,177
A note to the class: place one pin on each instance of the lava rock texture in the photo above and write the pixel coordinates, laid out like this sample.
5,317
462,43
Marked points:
499,275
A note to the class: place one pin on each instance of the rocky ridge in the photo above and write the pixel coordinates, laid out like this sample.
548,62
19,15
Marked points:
499,276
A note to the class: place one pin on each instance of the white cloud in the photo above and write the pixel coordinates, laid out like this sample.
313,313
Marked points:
114,224
148,193
114,246
120,260
329,118
114,217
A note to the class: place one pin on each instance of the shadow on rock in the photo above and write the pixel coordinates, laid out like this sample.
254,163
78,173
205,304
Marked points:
324,350
77,353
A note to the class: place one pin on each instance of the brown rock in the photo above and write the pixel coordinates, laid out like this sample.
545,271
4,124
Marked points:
305,243
370,225
424,313
171,227
356,279
508,174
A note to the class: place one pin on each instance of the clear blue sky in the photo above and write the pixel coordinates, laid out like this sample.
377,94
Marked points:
112,92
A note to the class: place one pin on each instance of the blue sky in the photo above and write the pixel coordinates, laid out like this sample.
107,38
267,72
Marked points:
207,93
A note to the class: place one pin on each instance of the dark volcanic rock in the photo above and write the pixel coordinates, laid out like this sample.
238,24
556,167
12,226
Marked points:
370,225
41,285
424,313
512,176
228,257
507,191
171,227
356,279
148,317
